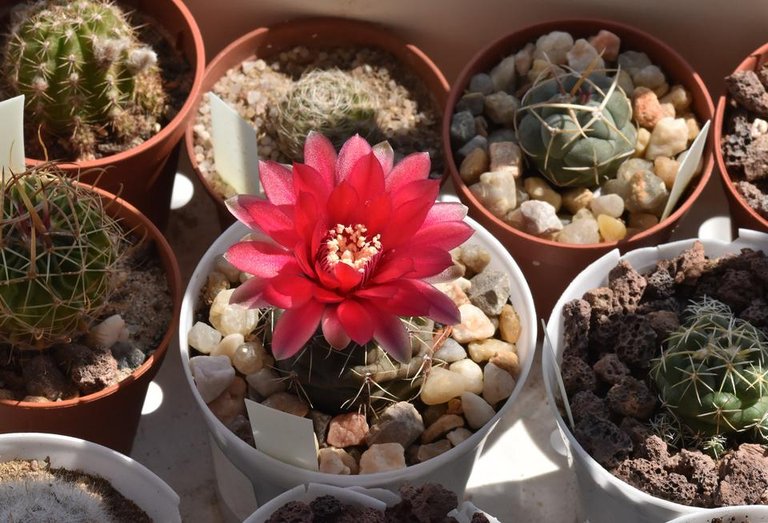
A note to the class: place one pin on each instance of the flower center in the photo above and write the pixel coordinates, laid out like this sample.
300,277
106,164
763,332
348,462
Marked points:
350,245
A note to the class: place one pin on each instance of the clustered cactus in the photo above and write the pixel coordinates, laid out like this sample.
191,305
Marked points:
328,101
59,252
84,73
576,129
713,376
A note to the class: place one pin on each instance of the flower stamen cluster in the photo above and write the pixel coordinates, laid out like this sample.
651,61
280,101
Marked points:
350,245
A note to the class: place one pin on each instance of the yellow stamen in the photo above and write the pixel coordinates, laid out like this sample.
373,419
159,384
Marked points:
350,245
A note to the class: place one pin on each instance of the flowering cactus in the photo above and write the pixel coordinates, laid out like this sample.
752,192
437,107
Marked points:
576,129
713,375
83,72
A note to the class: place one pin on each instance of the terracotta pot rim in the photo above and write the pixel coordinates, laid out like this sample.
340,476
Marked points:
725,177
223,58
541,28
176,122
173,275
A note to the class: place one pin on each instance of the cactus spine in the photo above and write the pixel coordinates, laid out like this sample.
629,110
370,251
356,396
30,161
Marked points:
83,72
58,251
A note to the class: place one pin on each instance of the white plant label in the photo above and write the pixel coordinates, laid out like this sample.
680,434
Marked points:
12,136
686,171
234,148
283,436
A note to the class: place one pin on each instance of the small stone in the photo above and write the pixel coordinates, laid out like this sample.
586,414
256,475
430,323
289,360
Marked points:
91,370
501,107
249,357
230,403
643,139
213,375
611,229
506,156
610,369
441,385
286,402
471,372
477,411
432,450
203,337
473,165
496,191
607,43
127,356
336,461
382,457
475,142
642,221
501,135
625,82
266,382
539,218
679,97
503,75
509,324
449,352
576,199
553,47
456,436
455,290
646,108
647,194
661,90
538,189
454,407
747,90
443,425
216,282
693,132
609,204
524,59
320,422
666,169
474,325
472,102
649,76
462,127
602,439
498,384
484,350
230,318
475,258
509,361
583,55
631,397
581,232
43,378
669,137
481,126
347,430
399,423
223,266
481,83
105,334
633,61
228,345
490,290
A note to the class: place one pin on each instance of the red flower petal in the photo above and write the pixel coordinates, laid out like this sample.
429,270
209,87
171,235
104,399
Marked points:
250,294
294,328
385,155
445,236
367,178
277,182
261,214
352,150
409,213
356,321
261,259
393,337
405,299
442,309
333,330
410,169
289,290
391,268
445,212
348,277
307,179
320,154
377,214
342,203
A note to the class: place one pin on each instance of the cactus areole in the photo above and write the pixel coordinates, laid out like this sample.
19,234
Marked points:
713,375
576,129
84,73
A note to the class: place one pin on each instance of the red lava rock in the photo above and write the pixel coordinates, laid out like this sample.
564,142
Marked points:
744,476
347,430
627,285
576,315
577,375
587,402
636,342
602,439
745,87
610,369
631,397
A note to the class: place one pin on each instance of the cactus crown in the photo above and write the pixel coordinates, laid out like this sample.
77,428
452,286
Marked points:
576,128
713,375
59,250
83,72
329,101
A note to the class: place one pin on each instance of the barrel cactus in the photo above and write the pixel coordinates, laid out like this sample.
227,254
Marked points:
59,252
713,376
576,129
84,74
329,101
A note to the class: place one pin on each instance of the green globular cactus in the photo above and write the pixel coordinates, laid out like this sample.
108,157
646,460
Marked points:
576,129
84,74
713,376
329,101
360,377
59,251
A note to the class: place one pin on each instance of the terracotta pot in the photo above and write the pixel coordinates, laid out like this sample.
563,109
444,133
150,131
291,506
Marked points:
144,175
313,32
549,266
111,416
742,215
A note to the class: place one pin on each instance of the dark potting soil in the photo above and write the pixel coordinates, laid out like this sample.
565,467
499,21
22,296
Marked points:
611,335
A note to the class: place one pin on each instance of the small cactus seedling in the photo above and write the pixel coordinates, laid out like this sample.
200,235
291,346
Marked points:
58,250
713,376
576,129
84,73
329,101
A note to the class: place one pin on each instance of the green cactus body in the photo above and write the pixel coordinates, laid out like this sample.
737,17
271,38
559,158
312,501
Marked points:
83,72
58,252
360,377
713,374
576,130
329,101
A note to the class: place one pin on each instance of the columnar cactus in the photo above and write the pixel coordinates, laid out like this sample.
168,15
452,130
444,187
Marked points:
58,251
328,101
84,73
576,129
713,375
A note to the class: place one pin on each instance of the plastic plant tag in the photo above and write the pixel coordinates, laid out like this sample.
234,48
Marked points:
234,148
283,436
12,136
687,170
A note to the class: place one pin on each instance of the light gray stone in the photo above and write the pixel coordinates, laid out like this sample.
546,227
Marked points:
462,127
490,291
481,83
399,423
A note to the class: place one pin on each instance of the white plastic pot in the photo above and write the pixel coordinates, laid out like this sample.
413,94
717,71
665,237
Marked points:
604,497
740,514
132,479
271,477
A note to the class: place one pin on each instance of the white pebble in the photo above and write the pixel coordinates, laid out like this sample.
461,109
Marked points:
649,76
539,217
484,350
106,333
609,204
582,55
441,386
496,191
580,232
381,457
477,411
553,47
474,325
498,384
669,137
249,357
458,435
450,351
228,345
266,382
230,318
472,373
225,267
203,337
213,375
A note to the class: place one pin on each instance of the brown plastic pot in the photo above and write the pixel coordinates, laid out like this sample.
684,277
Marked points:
742,215
265,42
111,416
144,175
547,265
